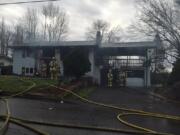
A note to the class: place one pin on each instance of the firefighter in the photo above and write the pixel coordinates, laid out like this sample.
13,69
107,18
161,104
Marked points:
54,69
110,78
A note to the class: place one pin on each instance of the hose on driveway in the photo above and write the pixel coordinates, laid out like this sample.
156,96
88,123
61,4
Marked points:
126,112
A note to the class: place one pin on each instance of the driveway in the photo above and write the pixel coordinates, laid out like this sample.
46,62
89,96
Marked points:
79,113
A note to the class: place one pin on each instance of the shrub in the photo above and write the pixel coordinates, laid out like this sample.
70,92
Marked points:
176,90
175,74
77,63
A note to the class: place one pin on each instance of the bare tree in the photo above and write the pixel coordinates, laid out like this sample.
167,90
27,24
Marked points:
18,34
107,34
55,24
44,13
177,1
2,36
114,34
5,37
8,39
30,21
98,25
160,17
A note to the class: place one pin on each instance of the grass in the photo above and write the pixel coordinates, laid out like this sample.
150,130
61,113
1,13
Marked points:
13,84
85,92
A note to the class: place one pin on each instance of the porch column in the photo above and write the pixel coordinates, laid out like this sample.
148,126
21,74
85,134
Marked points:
94,72
147,74
38,60
60,62
148,77
145,77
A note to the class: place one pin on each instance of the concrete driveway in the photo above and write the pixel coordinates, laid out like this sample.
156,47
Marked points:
79,113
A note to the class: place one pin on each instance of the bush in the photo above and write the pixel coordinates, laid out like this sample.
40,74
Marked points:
176,90
6,70
175,74
160,78
77,63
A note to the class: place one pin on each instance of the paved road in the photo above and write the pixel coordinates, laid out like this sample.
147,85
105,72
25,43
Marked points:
83,114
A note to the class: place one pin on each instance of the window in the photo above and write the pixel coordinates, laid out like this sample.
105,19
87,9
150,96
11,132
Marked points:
31,70
27,70
23,70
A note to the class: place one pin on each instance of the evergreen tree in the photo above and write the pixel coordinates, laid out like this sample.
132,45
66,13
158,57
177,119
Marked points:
77,63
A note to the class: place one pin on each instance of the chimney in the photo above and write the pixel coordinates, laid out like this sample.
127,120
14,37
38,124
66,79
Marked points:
98,38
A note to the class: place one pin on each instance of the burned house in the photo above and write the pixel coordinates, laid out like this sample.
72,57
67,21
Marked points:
129,62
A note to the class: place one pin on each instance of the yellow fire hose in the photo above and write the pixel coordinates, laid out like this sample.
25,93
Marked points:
8,118
4,126
133,112
21,92
139,129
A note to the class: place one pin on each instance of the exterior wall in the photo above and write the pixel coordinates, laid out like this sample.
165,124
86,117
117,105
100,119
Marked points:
135,82
19,62
5,62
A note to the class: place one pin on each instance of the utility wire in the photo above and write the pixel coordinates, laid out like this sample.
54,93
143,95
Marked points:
26,2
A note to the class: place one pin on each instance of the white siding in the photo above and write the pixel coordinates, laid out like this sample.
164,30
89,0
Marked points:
19,62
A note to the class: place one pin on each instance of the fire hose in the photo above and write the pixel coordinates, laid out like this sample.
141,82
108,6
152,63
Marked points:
126,112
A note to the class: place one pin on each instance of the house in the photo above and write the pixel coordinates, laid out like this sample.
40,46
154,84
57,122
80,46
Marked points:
131,58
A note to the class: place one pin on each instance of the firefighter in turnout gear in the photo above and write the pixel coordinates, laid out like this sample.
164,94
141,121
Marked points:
54,69
110,78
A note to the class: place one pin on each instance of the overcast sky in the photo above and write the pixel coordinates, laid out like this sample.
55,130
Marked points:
81,13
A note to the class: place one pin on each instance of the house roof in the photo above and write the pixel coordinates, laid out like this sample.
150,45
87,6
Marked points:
55,44
144,44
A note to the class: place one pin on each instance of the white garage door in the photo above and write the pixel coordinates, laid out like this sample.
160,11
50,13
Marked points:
135,82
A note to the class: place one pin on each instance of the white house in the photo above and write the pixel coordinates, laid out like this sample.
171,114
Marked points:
132,58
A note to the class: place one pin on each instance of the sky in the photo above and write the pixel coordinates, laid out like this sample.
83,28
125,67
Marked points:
81,13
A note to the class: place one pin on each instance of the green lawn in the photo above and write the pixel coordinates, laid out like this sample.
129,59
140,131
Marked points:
15,84
84,92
